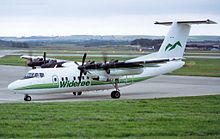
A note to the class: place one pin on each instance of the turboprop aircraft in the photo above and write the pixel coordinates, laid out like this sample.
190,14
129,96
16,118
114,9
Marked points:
55,76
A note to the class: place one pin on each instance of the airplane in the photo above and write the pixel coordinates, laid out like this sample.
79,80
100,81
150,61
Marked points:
55,76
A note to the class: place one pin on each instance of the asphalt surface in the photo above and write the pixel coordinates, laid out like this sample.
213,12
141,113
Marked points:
159,87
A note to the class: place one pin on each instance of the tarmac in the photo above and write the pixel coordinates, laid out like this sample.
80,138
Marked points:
158,87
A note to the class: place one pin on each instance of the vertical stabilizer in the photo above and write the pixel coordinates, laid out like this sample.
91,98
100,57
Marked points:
175,41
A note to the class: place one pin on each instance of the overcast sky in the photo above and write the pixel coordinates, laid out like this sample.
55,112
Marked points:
103,17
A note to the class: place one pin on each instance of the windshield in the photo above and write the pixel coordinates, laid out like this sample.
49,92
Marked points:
34,75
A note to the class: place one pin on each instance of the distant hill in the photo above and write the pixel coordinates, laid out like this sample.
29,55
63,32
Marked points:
13,44
78,38
203,38
82,38
149,42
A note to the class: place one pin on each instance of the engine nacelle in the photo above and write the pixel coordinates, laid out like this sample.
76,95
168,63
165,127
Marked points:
124,72
101,78
102,75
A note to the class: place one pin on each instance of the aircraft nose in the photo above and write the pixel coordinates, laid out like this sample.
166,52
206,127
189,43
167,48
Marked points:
12,86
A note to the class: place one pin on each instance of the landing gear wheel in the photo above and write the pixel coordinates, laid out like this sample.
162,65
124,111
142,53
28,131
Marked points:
115,94
27,98
79,93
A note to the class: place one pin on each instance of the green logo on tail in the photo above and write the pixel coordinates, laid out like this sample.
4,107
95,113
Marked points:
170,47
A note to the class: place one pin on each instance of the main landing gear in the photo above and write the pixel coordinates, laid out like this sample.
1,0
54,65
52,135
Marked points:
77,93
116,94
27,98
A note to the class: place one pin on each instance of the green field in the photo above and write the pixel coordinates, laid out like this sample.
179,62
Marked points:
193,66
182,117
200,67
12,60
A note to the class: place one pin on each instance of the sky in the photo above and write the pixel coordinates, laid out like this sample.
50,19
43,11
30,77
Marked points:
103,17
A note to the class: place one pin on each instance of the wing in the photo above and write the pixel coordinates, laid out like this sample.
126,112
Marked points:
113,70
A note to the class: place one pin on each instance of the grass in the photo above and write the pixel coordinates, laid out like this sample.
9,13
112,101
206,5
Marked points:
193,66
168,118
12,60
200,67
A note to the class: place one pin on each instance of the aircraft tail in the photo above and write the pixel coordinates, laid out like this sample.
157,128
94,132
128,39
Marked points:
174,43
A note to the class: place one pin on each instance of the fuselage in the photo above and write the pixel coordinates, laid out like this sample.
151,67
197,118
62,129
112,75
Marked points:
66,79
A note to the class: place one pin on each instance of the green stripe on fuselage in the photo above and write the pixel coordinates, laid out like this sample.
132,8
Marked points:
93,83
39,86
124,80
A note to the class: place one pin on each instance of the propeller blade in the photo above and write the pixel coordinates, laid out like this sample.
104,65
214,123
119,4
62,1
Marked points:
30,53
84,58
80,76
104,57
76,63
44,57
92,62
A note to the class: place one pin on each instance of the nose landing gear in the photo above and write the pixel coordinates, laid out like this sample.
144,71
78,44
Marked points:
27,98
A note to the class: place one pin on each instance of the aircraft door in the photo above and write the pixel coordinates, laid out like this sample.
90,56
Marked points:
55,79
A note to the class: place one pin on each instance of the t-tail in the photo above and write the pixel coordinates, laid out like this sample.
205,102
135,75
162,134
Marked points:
174,43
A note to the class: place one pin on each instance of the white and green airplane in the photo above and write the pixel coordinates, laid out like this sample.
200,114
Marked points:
68,76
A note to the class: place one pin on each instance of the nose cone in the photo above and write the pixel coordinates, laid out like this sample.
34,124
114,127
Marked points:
12,86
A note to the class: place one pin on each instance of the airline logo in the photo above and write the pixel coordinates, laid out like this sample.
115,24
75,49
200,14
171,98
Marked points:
64,84
170,47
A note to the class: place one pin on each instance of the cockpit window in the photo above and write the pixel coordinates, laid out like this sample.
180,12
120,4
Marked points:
34,75
29,75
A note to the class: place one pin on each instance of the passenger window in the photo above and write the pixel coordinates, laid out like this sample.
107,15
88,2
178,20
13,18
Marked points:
37,75
74,78
41,75
62,79
83,77
87,77
66,78
55,79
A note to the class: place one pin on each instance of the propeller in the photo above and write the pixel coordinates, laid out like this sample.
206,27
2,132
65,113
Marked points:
82,67
105,64
38,61
91,64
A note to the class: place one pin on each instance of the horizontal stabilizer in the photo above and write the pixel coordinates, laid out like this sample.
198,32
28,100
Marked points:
187,22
